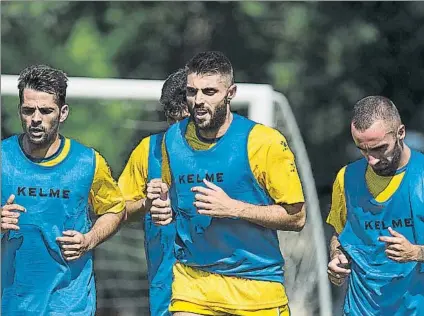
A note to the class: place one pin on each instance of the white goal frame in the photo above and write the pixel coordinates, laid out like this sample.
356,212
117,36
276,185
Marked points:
261,100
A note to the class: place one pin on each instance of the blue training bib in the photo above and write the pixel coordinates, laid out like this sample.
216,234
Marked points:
377,285
159,243
226,246
36,279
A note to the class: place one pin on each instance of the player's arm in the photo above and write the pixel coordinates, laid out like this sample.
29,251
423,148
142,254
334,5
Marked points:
213,201
275,170
290,217
420,253
338,268
337,215
10,213
273,165
400,249
160,208
144,204
335,246
108,203
133,180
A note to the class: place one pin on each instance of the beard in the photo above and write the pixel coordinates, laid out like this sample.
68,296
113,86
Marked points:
215,121
41,137
390,165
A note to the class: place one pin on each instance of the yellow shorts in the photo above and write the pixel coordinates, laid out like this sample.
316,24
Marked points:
207,293
182,306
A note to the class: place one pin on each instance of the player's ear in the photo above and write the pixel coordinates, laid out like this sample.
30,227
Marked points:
232,91
64,111
401,132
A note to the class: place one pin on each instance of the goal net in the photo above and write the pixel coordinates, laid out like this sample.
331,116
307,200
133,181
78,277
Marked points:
130,110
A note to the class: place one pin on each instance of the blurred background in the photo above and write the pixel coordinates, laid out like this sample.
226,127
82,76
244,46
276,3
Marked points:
323,56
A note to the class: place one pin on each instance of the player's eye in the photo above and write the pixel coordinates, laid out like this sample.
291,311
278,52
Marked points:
209,92
46,111
191,91
27,111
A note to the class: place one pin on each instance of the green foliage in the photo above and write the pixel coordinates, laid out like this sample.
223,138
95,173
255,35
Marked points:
323,56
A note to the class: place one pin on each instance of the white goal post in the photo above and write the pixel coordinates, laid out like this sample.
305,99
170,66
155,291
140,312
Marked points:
262,102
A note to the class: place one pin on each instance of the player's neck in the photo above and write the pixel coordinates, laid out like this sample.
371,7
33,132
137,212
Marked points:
41,151
404,157
220,131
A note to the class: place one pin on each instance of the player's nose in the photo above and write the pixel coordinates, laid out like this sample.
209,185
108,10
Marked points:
372,161
36,118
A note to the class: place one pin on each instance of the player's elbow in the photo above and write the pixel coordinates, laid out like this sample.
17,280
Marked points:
299,219
299,222
297,216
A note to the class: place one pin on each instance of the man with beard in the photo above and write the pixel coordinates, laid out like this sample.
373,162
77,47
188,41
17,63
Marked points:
377,213
137,183
233,184
48,184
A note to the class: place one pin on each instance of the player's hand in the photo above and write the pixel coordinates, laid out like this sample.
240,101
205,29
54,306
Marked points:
10,215
154,189
213,201
73,244
398,248
338,269
160,210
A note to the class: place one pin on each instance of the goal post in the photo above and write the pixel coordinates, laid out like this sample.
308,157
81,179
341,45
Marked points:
315,223
265,106
259,97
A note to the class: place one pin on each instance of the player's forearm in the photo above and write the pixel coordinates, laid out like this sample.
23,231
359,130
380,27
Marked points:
420,253
136,207
334,246
105,226
273,216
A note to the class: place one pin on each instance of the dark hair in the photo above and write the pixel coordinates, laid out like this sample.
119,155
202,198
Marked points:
370,109
211,62
44,79
173,97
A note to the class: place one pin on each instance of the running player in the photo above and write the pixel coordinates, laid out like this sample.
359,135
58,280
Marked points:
377,213
137,181
233,184
48,184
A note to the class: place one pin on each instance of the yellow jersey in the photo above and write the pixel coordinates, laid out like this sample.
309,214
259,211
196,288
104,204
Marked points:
133,180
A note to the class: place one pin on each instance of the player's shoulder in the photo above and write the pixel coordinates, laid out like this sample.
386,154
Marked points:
76,143
416,162
76,146
9,141
417,154
266,134
182,124
9,146
145,142
142,146
341,173
357,164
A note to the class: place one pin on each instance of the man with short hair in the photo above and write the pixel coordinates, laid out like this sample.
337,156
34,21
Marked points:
233,184
377,213
48,184
137,181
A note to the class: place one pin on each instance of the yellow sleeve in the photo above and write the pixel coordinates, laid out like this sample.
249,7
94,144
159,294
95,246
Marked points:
105,195
133,179
273,165
166,171
338,212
